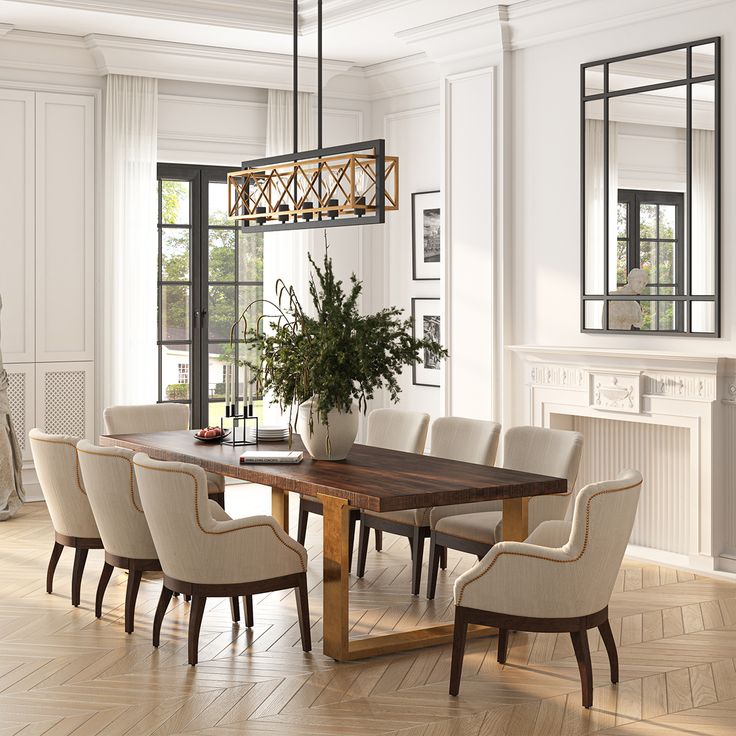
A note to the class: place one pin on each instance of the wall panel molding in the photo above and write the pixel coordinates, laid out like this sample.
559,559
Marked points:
17,219
65,227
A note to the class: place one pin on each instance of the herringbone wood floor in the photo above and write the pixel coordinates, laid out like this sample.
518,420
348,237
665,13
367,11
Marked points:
64,672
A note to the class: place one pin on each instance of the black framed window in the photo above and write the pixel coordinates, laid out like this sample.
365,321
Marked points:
209,271
650,236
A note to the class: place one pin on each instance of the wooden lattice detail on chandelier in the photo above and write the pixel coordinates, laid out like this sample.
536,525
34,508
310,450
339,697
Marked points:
355,184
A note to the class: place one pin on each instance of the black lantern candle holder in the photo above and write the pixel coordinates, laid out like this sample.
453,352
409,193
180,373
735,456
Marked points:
240,420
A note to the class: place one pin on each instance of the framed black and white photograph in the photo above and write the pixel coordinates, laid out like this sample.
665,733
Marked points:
425,313
425,236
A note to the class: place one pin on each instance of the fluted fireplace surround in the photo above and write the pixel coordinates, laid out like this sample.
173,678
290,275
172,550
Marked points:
671,416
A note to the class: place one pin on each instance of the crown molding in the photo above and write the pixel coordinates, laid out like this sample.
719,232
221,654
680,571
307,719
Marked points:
5,28
273,16
207,64
481,35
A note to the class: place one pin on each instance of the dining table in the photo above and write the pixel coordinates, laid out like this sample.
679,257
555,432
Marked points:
370,478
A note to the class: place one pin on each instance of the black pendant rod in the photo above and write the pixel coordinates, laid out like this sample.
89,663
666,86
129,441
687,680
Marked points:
296,75
319,73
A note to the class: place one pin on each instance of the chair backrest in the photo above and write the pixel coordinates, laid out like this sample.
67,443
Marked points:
146,418
109,480
602,521
396,429
57,467
553,452
174,498
467,440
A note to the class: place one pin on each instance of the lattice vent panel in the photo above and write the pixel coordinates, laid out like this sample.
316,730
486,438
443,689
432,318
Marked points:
65,403
17,395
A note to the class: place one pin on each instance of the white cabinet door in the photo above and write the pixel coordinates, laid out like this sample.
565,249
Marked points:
21,391
65,398
65,198
17,242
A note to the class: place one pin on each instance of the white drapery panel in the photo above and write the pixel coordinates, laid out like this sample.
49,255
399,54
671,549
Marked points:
285,254
595,211
130,260
704,224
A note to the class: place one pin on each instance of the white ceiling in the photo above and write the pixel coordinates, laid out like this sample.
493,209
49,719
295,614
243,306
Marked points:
360,31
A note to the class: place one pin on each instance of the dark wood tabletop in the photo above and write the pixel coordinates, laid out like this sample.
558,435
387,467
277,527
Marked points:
370,478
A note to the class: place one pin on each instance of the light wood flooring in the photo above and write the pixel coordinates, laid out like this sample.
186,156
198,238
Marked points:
64,672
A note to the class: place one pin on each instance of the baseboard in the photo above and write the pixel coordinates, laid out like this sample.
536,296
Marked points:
697,564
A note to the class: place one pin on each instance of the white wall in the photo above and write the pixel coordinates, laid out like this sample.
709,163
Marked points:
546,252
412,127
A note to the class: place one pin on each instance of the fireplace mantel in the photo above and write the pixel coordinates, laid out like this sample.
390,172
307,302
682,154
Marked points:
662,394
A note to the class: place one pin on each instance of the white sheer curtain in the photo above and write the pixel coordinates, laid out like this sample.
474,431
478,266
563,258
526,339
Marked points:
285,253
595,211
704,223
130,260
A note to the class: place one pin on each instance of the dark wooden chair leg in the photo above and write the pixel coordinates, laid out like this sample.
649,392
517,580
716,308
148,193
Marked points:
417,547
248,610
302,607
443,558
301,534
80,557
131,595
195,623
53,562
435,553
582,654
158,619
235,609
610,644
458,651
362,548
102,587
351,541
503,645
379,540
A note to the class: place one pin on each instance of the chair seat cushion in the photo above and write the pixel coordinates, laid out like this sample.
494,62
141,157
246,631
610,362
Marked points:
410,517
475,527
461,509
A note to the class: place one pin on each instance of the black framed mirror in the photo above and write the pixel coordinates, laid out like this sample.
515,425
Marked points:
650,191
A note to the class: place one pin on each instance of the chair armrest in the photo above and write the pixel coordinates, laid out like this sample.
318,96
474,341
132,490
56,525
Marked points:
517,578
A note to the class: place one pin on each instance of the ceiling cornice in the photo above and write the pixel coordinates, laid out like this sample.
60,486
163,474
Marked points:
208,64
273,16
479,36
5,28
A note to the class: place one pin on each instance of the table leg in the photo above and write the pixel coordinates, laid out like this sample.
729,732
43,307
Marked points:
515,519
335,553
280,507
335,603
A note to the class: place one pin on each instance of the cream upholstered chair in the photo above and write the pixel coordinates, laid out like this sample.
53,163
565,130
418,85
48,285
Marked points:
559,579
476,527
57,466
165,417
467,440
392,429
203,556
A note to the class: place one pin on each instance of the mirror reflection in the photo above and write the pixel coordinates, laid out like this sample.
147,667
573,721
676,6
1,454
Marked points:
650,193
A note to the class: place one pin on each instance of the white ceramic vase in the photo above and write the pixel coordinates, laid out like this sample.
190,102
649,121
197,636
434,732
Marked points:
342,428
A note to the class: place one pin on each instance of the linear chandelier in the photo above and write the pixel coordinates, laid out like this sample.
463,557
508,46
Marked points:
353,184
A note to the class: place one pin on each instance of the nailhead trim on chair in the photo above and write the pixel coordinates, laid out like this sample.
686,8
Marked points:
132,473
226,531
542,557
76,459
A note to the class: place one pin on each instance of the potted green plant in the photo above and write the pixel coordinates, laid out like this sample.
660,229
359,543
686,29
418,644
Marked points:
329,361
